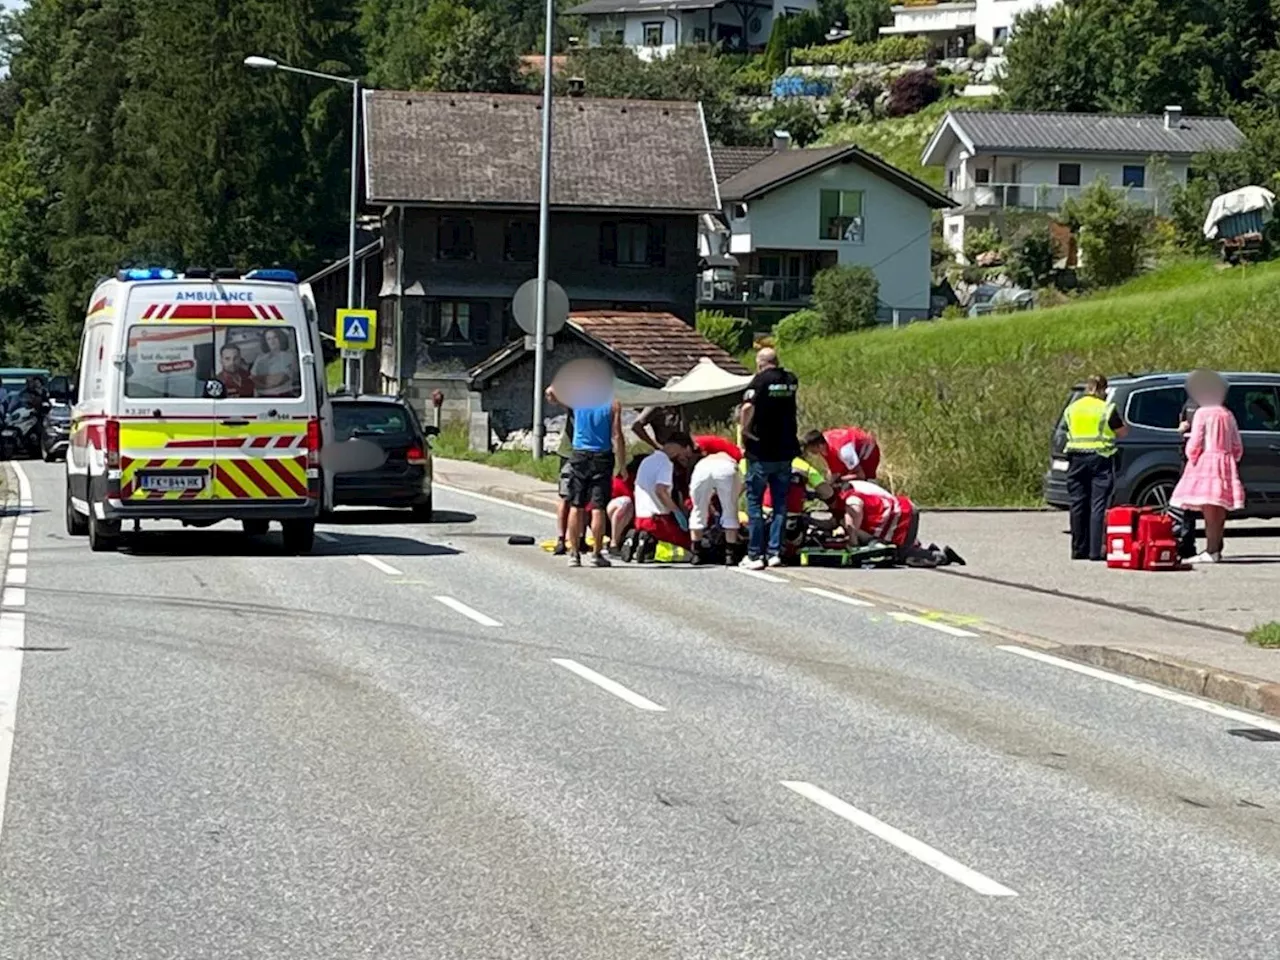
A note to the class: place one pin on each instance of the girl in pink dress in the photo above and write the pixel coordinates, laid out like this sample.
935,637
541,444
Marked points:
1210,481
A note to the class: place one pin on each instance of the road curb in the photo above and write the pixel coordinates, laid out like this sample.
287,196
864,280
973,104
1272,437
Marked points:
1198,679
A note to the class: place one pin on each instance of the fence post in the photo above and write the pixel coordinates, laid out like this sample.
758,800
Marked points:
895,318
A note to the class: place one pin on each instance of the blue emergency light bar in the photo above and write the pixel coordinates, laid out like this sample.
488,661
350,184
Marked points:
274,276
147,273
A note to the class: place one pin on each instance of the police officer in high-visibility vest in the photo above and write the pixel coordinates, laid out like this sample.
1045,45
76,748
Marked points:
1093,426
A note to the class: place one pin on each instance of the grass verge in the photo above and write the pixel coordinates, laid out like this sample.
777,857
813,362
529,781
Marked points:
452,445
965,408
1265,635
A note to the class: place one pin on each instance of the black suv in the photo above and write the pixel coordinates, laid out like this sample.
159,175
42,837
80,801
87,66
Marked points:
1149,458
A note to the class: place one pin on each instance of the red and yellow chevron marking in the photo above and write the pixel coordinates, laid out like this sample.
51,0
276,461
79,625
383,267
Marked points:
233,313
247,478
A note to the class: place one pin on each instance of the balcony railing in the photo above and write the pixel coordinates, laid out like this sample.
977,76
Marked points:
1038,196
757,289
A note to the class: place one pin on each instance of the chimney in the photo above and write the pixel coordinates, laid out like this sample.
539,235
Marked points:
781,140
576,86
1172,118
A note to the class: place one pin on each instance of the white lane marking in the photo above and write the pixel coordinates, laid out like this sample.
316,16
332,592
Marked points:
839,597
466,611
14,597
932,624
377,564
16,576
326,537
612,686
20,544
495,500
761,575
12,640
24,523
17,559
1186,699
24,486
907,844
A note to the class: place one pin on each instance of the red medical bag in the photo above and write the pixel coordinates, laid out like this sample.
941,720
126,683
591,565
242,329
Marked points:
1124,548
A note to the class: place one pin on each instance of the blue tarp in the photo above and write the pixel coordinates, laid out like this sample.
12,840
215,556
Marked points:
790,85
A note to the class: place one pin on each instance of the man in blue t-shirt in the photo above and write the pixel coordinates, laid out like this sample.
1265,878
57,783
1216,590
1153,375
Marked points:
597,447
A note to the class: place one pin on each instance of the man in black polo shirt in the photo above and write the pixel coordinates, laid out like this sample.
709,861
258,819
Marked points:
769,441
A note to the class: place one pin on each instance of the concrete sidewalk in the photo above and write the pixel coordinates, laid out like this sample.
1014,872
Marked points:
1181,629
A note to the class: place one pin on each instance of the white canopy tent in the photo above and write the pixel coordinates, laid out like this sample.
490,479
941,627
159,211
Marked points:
706,381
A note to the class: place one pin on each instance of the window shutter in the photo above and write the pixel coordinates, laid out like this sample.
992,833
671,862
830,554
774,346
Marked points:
657,238
609,243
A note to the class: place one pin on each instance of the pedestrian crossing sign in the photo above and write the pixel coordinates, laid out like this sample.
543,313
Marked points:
357,329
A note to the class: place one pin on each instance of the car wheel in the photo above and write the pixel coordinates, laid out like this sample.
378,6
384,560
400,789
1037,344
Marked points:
77,526
1156,493
256,528
104,535
299,535
423,512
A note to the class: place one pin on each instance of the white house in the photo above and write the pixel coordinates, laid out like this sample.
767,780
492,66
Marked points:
653,28
1003,161
961,20
789,213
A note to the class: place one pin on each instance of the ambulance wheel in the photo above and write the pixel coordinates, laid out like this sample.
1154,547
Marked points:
299,535
256,528
104,535
77,526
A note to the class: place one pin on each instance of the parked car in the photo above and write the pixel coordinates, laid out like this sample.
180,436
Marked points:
55,431
1149,457
404,478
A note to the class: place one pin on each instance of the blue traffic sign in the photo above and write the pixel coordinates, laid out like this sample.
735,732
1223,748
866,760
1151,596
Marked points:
357,329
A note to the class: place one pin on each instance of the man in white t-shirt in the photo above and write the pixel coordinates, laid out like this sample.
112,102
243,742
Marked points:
657,512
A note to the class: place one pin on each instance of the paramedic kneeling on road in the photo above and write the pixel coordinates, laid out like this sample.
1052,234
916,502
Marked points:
657,512
848,452
1093,426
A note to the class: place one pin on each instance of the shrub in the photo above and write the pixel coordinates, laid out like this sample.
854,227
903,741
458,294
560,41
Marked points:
866,94
753,78
1265,635
731,334
912,92
848,53
1113,233
846,297
979,242
796,117
979,50
799,327
1031,256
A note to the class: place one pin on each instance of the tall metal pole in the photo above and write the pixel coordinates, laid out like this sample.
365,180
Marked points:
544,238
353,366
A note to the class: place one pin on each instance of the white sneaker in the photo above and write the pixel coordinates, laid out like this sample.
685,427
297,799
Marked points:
1206,557
752,563
775,561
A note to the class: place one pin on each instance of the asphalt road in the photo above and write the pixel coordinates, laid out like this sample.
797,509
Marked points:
425,743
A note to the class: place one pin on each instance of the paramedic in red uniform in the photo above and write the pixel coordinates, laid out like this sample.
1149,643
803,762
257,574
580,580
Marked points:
849,452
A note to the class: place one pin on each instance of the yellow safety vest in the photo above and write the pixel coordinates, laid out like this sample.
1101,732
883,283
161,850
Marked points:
1089,430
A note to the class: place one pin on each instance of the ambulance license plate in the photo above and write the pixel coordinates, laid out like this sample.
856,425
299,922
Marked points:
1060,466
172,481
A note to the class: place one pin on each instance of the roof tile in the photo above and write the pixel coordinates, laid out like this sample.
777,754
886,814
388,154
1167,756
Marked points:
660,343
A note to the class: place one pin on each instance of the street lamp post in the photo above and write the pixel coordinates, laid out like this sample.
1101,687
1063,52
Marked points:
266,63
544,230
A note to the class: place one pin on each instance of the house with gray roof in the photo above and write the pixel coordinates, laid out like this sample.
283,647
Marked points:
788,213
455,180
998,161
653,28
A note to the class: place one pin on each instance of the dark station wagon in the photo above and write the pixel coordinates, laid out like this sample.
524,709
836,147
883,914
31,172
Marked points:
1149,457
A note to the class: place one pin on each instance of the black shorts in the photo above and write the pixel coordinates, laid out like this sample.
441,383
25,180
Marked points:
590,479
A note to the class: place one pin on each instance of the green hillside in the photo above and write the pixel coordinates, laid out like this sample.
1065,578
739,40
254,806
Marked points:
964,408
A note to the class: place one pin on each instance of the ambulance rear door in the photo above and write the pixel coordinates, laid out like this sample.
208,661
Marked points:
167,419
266,397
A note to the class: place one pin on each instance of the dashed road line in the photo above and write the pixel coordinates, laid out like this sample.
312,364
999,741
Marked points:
931,624
469,612
13,597
1185,699
838,597
760,575
21,544
611,686
16,576
975,881
17,559
12,642
377,564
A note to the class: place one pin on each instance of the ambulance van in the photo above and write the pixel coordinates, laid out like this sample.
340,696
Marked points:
201,400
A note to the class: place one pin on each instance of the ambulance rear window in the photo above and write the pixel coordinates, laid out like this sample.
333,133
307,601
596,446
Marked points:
173,361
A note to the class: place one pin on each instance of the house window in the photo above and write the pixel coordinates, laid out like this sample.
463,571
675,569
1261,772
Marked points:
455,239
1134,175
455,322
982,175
840,215
1068,174
633,244
653,34
522,242
699,34
1000,36
738,211
951,179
